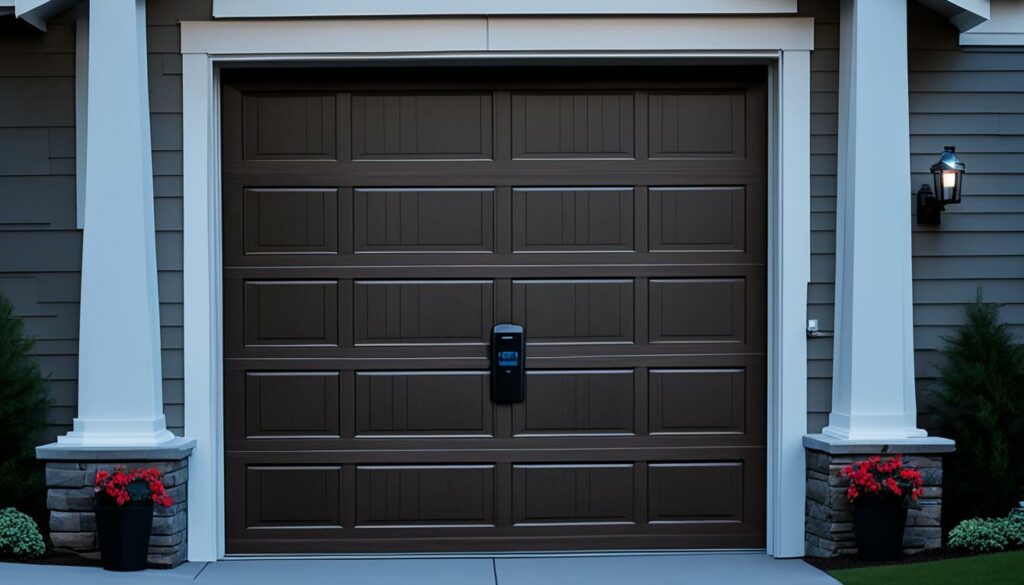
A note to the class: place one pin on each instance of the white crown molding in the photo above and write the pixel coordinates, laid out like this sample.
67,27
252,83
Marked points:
329,8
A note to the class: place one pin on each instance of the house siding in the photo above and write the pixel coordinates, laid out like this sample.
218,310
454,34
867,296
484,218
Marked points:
40,247
971,98
824,146
164,44
974,99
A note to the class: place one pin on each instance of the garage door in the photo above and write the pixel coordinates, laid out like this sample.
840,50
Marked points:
377,225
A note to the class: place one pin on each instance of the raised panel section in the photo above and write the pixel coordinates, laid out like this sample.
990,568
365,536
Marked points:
423,404
421,126
289,127
293,497
576,403
697,125
572,125
697,310
584,219
424,496
697,401
572,494
292,404
290,221
697,219
291,313
424,220
389,312
698,492
574,311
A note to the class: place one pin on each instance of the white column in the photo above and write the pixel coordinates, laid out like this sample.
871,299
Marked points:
873,370
120,397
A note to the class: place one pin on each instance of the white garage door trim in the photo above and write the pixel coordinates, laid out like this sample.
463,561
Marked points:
784,43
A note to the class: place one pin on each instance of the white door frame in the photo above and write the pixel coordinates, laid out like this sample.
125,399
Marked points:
782,42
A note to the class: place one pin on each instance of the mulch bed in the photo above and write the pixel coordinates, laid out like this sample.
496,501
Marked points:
853,562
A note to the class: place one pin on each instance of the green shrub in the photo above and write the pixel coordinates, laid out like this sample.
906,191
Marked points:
19,536
986,535
983,392
23,405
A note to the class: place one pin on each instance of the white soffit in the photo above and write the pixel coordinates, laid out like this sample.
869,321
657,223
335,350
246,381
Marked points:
325,8
1005,27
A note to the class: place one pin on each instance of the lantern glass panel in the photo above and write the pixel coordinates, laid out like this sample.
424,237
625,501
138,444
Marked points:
947,186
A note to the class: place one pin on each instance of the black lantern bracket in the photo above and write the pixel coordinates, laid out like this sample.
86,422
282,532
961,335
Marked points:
948,180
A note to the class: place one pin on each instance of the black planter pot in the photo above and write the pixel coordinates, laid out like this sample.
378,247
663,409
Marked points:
878,524
124,534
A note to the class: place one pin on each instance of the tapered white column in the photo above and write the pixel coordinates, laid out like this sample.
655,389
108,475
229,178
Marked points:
873,370
120,397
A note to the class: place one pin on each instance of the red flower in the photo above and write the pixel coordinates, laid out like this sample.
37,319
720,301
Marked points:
873,476
115,485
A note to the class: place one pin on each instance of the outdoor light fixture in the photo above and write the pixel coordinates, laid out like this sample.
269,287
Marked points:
948,178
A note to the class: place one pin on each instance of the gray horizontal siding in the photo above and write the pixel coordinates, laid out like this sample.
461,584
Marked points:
163,34
824,131
973,99
41,258
37,194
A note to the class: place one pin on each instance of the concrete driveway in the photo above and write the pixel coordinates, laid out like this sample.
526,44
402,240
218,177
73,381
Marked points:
607,569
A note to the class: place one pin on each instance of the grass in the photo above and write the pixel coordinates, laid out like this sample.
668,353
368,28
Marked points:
995,569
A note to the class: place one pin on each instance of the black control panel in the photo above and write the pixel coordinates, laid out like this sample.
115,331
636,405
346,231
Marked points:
507,363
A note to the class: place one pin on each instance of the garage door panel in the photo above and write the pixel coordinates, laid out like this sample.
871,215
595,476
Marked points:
576,220
292,313
293,496
430,125
411,404
424,496
289,126
698,401
574,311
698,310
292,404
697,124
572,494
290,221
423,220
696,492
572,125
415,312
581,402
698,219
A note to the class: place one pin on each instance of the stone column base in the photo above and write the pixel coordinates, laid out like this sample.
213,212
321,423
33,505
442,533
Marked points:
829,517
70,496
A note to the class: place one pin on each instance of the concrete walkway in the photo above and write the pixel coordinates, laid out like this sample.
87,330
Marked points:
655,569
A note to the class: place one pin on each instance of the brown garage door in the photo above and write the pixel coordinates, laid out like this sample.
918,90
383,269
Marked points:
378,224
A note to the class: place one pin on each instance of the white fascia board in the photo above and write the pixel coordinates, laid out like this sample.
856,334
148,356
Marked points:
1005,27
327,8
495,34
358,35
37,12
964,14
659,33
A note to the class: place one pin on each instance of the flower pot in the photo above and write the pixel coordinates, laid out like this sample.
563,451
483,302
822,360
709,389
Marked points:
878,524
124,534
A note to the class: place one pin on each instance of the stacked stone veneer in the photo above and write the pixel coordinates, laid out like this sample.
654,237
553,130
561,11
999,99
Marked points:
71,496
829,520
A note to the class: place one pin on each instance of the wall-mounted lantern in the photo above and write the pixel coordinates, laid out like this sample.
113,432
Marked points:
948,177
